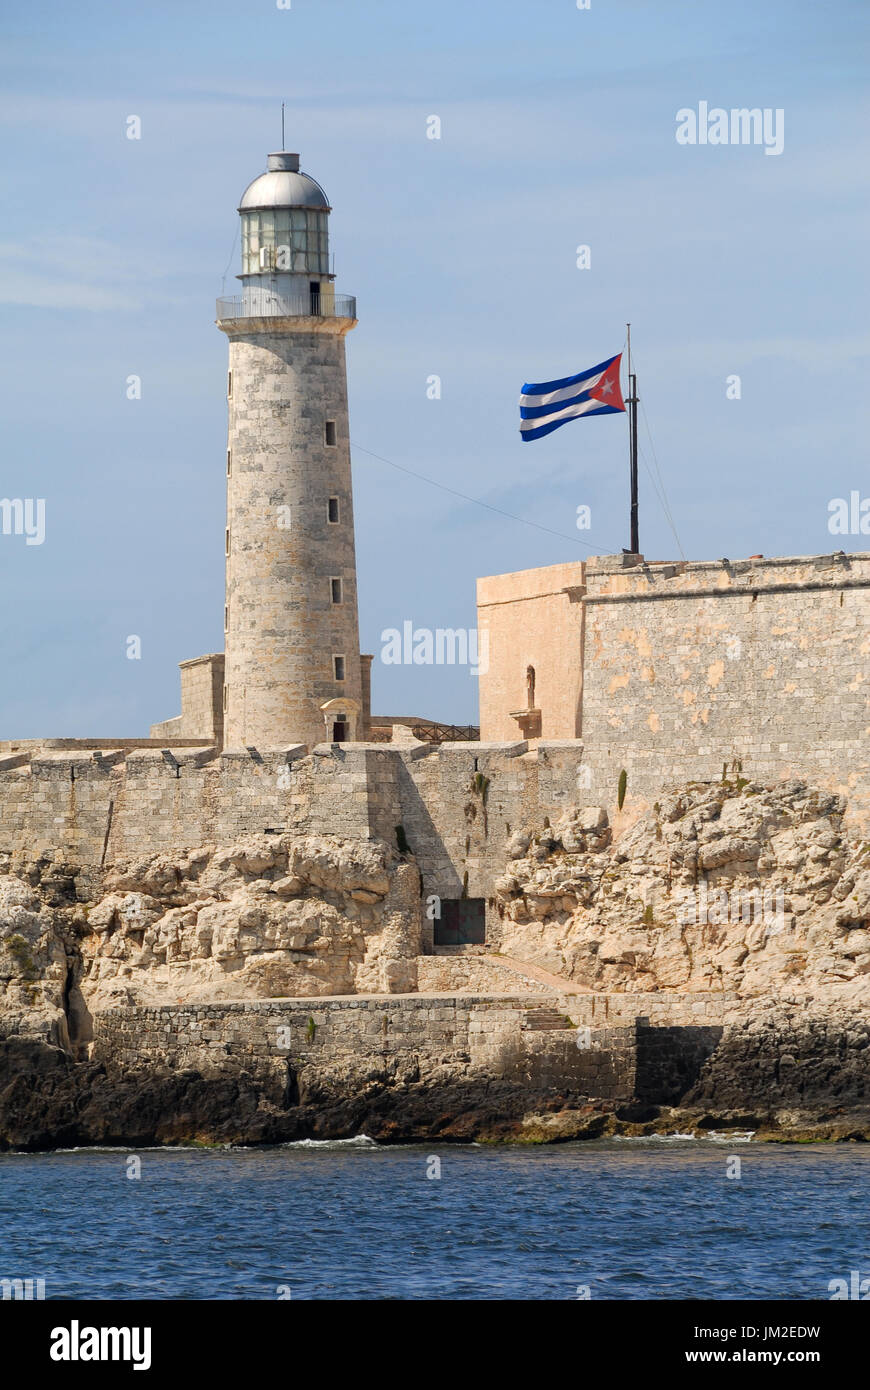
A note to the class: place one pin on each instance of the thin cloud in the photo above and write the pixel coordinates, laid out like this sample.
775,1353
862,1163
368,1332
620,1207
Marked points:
47,273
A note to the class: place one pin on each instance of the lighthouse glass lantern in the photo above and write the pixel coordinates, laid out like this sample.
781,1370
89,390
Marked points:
294,239
285,240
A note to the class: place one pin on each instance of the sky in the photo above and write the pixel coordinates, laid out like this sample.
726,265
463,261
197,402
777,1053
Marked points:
557,130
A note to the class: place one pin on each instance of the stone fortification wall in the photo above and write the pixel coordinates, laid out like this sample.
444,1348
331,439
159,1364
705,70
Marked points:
486,1031
97,806
202,702
411,1068
758,664
533,618
598,1047
427,1036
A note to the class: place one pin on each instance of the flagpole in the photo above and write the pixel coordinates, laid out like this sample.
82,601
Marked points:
631,402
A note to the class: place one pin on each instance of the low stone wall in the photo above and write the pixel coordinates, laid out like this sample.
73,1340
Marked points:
659,1010
98,806
427,1038
632,1045
418,1069
265,1030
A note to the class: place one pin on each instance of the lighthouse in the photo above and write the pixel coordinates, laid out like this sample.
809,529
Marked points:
292,668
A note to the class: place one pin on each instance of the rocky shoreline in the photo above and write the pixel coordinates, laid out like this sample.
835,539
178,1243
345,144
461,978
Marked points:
49,1101
757,1020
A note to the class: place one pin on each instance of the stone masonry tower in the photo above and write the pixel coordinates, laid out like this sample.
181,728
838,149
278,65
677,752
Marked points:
292,671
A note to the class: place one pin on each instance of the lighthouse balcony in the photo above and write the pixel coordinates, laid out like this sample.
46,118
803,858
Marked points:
258,303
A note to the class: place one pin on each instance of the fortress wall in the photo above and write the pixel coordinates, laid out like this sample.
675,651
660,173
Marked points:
57,801
760,666
631,1044
90,806
202,694
202,697
471,1033
369,774
87,807
531,618
178,801
761,663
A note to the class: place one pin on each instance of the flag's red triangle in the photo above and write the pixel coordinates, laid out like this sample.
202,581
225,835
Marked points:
608,390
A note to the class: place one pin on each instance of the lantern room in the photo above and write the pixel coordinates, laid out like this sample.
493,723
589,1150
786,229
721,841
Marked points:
284,222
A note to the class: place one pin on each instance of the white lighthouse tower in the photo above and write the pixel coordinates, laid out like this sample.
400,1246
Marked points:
292,669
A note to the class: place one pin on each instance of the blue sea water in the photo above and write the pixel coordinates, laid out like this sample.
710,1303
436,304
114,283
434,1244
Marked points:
627,1219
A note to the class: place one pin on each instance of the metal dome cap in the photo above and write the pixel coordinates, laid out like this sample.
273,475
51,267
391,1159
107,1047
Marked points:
283,186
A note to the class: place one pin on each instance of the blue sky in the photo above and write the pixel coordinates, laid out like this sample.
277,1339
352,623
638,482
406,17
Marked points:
558,129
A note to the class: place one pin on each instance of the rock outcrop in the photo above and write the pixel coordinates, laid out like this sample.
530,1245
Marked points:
269,916
740,886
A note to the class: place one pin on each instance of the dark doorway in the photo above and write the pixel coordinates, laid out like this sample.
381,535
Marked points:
314,292
462,922
339,731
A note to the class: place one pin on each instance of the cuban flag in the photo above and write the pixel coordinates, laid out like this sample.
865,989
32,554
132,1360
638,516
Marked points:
546,405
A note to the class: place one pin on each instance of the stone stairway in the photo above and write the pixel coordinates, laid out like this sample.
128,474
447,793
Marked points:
540,1019
537,974
476,970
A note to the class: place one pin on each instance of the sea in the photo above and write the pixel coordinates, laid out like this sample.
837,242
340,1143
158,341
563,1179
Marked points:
623,1219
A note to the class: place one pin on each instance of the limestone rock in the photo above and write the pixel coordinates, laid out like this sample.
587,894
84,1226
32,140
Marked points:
270,915
33,965
518,844
747,890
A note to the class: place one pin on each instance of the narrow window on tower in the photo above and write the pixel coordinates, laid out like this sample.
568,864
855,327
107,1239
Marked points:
330,433
226,629
335,585
225,699
229,462
338,664
229,384
332,513
227,534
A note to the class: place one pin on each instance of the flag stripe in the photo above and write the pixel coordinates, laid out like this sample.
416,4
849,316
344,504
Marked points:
565,393
534,412
532,389
536,429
